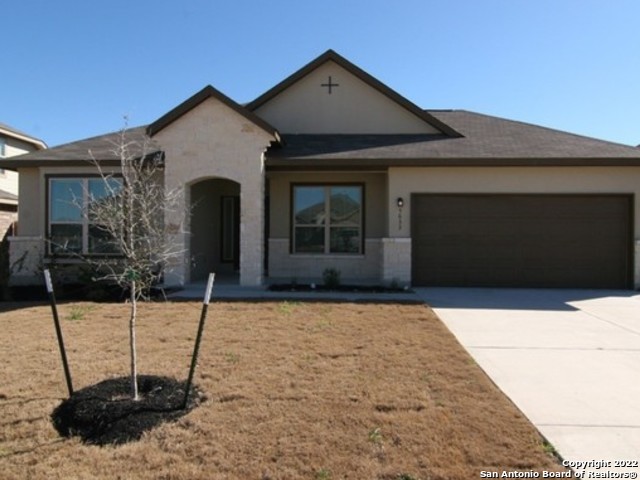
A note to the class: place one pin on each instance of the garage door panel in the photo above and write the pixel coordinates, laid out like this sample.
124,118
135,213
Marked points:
522,240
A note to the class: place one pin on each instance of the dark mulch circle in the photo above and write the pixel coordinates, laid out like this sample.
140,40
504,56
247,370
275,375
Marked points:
105,413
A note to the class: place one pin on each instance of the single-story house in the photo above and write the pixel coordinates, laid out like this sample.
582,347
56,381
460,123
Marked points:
333,169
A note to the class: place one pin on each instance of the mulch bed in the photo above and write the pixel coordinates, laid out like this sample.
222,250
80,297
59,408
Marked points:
105,413
304,287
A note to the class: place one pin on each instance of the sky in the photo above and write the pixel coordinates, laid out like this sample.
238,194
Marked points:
76,69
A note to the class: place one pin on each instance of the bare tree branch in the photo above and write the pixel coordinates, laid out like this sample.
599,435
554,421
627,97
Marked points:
129,243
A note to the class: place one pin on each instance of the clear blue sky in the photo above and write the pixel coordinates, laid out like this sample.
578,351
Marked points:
73,69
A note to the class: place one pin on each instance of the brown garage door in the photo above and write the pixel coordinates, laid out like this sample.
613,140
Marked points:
581,241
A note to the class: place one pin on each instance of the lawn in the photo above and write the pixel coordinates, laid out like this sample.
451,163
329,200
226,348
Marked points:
293,390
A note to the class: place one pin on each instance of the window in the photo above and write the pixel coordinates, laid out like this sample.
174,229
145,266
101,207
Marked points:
327,219
69,229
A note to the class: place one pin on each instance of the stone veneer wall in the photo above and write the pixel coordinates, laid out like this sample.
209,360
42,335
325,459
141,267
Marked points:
25,260
285,267
213,141
396,260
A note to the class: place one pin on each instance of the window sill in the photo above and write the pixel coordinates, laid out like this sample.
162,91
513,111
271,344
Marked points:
80,258
319,256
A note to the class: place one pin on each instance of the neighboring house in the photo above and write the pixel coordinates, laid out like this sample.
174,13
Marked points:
12,143
332,169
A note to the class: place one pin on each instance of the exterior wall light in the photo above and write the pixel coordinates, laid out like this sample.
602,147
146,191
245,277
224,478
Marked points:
400,204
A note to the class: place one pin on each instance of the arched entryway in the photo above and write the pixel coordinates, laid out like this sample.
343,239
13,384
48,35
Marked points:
215,229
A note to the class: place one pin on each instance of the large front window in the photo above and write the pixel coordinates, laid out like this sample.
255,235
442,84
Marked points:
327,219
70,229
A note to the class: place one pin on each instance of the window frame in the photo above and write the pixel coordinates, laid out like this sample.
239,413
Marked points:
83,222
327,225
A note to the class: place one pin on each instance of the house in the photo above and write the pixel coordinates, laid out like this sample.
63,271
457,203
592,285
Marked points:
333,169
12,143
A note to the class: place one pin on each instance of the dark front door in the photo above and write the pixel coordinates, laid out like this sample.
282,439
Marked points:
230,230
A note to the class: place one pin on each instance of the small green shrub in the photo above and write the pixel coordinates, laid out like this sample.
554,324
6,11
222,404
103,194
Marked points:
323,474
548,448
405,476
375,436
331,277
287,307
232,358
79,312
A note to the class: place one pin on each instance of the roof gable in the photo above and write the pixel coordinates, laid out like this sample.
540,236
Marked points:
197,99
8,131
332,95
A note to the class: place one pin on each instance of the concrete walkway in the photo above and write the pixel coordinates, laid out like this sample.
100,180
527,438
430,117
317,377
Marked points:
569,359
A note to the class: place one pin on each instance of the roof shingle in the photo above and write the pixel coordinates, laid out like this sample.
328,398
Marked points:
101,148
486,140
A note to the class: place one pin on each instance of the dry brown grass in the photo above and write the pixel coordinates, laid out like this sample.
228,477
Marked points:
313,390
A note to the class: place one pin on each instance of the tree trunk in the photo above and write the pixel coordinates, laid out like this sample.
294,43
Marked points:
132,341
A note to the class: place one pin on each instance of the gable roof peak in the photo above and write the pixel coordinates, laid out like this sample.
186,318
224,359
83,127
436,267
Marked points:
363,76
192,102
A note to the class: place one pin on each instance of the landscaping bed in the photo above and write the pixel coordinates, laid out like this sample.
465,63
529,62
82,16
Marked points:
312,287
106,414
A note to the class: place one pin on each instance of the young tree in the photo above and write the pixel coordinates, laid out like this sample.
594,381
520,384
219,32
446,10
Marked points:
125,214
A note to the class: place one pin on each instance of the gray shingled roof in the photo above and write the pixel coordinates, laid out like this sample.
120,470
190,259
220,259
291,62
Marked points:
486,140
499,137
101,148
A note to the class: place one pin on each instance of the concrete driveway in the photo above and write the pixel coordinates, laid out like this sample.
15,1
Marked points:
569,359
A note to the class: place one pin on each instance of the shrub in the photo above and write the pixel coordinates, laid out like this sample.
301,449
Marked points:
331,278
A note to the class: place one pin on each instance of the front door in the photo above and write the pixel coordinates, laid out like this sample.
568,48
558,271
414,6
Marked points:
230,231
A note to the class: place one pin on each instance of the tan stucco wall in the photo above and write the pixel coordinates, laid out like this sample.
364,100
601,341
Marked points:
31,206
404,181
353,107
214,141
563,180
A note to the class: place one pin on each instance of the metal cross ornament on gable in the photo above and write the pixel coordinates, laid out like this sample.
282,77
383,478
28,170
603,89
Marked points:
330,85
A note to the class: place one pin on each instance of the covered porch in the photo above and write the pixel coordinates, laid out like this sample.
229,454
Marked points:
214,235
